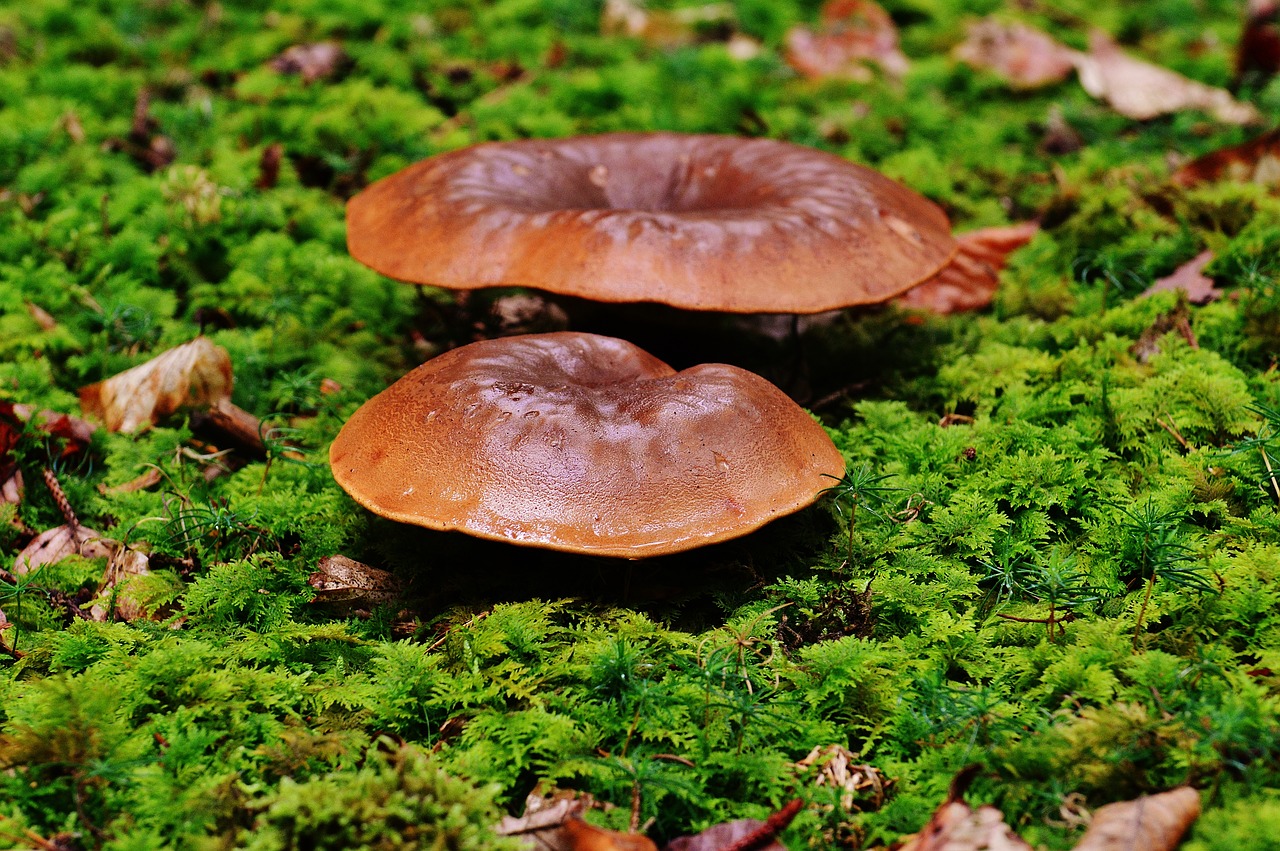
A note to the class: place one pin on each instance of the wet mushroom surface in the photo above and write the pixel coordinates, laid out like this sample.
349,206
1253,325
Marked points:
699,222
583,443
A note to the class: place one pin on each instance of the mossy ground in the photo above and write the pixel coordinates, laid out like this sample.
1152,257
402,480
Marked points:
261,718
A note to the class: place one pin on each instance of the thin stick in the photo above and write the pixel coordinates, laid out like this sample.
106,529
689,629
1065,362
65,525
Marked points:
1266,459
439,642
60,499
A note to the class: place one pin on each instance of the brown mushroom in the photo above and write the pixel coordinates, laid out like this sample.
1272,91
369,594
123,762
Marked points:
582,443
698,222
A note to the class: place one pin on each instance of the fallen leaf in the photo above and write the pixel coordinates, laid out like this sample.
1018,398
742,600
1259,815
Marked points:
745,833
42,317
1255,161
582,836
663,28
1190,278
195,374
1023,55
312,62
1151,823
970,280
1258,55
269,166
1142,91
837,767
956,826
124,565
1178,319
11,486
345,581
56,544
544,814
851,35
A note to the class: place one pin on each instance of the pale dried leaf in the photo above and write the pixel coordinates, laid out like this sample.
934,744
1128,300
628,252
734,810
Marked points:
343,580
970,280
544,813
1151,823
195,374
125,565
662,28
56,544
1190,278
1024,56
837,767
1255,161
311,61
958,827
852,34
12,487
1142,91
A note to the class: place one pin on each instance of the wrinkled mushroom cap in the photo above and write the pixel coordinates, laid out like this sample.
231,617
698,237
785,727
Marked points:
695,221
583,443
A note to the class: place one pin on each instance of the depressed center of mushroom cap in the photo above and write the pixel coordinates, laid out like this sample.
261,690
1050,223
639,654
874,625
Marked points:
658,173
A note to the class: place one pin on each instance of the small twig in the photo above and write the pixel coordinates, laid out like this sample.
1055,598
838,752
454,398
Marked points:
1266,459
766,832
635,806
1172,428
441,640
60,499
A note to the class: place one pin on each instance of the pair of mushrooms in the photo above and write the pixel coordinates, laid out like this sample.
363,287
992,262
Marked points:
585,443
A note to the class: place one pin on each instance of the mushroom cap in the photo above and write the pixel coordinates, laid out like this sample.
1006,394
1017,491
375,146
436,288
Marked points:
583,443
699,222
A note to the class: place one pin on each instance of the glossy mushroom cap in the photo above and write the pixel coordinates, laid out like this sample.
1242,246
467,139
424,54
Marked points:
698,222
583,443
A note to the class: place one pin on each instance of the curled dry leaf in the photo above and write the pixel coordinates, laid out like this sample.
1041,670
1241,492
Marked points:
1023,55
350,583
195,374
1140,90
149,479
544,815
1150,823
970,280
1190,278
1178,319
851,35
124,565
956,826
59,542
1255,161
661,28
837,767
42,317
312,62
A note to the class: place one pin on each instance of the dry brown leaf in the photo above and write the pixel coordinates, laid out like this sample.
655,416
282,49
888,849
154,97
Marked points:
124,565
745,833
59,542
836,766
851,35
1178,319
1255,161
958,827
970,280
1258,56
195,374
1023,55
11,486
345,581
1151,823
312,62
1190,278
42,317
1142,91
663,28
544,815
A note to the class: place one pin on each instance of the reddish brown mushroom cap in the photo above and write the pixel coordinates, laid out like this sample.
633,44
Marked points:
699,222
584,443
